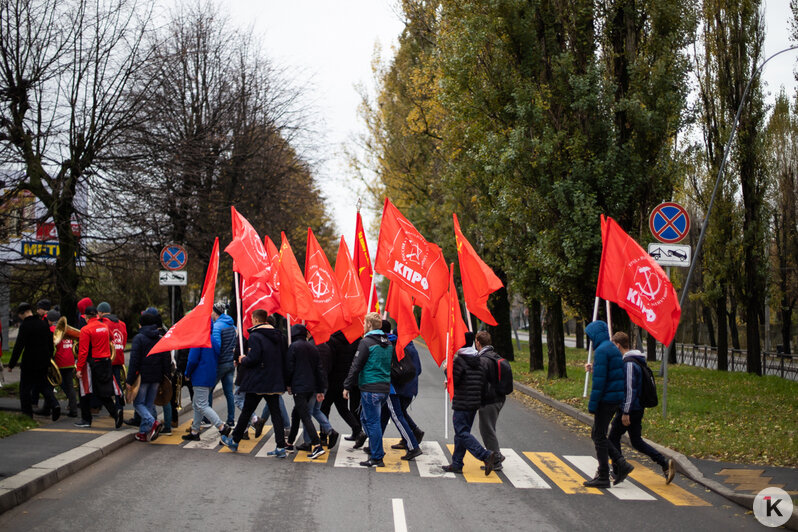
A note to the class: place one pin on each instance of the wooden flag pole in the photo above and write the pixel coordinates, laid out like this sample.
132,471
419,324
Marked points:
239,306
590,347
371,292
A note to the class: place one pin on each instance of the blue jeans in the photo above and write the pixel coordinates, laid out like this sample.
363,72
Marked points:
226,374
393,407
144,403
371,409
318,415
203,409
464,440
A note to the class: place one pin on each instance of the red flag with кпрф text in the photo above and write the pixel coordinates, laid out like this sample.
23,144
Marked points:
405,257
631,278
194,329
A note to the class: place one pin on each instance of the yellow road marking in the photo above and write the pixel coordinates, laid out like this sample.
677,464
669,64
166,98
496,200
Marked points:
176,438
79,431
246,446
670,492
566,478
393,458
302,456
472,471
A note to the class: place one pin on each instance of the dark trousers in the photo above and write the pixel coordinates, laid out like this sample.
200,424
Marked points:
31,381
354,402
301,412
405,404
488,416
251,401
86,401
68,386
120,399
464,440
392,409
604,448
635,429
334,396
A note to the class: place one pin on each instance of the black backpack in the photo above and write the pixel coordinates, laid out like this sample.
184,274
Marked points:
402,371
503,383
648,389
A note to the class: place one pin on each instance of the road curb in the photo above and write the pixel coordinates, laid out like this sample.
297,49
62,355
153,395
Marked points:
682,462
18,488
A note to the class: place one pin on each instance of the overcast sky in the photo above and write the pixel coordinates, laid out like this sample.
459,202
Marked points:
332,44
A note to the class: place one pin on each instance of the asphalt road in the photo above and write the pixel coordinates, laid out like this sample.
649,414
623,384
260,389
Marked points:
151,486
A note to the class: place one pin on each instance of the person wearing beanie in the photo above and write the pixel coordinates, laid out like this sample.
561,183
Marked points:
42,307
95,374
35,345
118,331
65,360
83,304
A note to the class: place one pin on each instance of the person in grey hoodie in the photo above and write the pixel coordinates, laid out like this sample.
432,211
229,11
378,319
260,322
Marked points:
629,416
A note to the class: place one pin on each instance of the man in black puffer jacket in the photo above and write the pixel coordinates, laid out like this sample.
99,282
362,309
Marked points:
152,368
341,360
468,377
263,376
306,378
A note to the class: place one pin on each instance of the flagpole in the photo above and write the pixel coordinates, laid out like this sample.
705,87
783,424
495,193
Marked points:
239,305
590,346
609,318
288,321
371,293
446,392
468,315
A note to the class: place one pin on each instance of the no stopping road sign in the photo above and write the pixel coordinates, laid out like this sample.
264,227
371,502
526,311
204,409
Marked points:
669,222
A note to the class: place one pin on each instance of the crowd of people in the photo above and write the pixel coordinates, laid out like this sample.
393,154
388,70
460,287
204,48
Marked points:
364,379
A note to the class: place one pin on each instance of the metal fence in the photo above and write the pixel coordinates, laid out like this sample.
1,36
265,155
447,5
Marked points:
704,356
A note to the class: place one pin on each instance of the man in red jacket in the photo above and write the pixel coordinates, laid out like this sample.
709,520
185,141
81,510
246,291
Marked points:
118,331
65,360
94,369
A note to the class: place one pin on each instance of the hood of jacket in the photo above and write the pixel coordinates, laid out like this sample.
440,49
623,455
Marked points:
269,332
113,317
225,319
298,332
149,331
634,353
467,351
598,333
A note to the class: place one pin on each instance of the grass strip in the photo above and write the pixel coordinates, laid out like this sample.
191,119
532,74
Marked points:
11,423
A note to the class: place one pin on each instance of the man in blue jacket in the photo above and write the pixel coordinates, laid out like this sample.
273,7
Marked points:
223,340
605,397
201,371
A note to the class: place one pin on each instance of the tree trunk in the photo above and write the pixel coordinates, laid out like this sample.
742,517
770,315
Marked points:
694,308
732,316
555,340
499,305
708,323
753,345
651,348
786,326
66,270
535,337
723,340
580,333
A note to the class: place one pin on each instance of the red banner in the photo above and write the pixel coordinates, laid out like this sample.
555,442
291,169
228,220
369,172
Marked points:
323,284
351,292
362,261
296,299
194,329
479,281
400,306
246,248
456,328
631,278
404,256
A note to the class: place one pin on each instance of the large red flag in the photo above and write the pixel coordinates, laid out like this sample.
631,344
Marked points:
631,278
295,296
323,284
433,330
479,281
456,329
194,329
400,305
255,295
351,292
404,256
362,261
249,255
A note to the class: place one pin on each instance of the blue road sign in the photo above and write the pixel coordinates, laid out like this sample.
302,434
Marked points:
174,257
669,222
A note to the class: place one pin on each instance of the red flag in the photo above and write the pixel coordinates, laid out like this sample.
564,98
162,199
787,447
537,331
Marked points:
351,292
404,256
362,261
434,332
400,305
323,284
295,296
249,255
479,281
255,295
631,278
194,329
456,329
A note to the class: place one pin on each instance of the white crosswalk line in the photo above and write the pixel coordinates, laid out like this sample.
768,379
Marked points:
268,446
626,490
519,473
429,464
208,440
349,457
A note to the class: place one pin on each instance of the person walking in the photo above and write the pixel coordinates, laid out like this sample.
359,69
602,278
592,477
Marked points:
629,417
407,392
605,398
371,373
65,360
201,369
94,369
468,377
305,378
223,340
262,376
152,367
118,331
341,355
493,399
35,345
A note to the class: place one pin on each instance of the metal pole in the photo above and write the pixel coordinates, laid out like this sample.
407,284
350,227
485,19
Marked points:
590,346
239,307
468,315
172,298
703,233
666,351
446,392
609,317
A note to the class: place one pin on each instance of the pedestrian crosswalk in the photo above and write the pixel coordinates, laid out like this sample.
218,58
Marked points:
522,470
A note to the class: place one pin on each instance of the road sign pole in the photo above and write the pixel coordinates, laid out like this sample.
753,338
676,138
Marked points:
665,354
172,313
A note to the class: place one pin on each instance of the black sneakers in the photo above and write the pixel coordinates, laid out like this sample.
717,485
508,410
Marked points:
191,436
83,424
306,447
373,463
317,451
599,481
401,445
225,430
258,426
622,470
361,439
120,417
332,438
419,434
56,413
451,469
412,454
